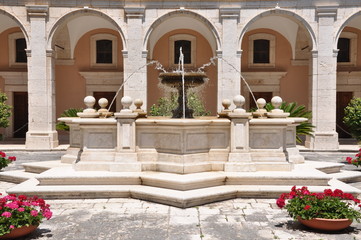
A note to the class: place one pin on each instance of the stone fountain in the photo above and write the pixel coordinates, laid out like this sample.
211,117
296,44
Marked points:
190,80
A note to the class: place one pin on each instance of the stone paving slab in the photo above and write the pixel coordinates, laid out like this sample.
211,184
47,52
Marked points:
131,219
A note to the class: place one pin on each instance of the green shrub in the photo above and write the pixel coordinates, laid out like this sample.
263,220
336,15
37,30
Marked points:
304,128
352,117
5,111
165,105
71,112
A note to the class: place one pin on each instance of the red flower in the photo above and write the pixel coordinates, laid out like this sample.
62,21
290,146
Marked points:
307,207
349,159
2,154
280,202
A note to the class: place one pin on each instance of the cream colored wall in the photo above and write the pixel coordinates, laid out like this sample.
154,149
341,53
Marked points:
203,55
294,85
70,85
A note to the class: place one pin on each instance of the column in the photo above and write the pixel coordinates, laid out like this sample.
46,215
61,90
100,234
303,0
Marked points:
41,86
135,71
323,83
229,84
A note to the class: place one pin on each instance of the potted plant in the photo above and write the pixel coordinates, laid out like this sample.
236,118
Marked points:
5,160
20,215
331,210
355,161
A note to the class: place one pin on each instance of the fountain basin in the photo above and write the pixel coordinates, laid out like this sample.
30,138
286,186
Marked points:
127,144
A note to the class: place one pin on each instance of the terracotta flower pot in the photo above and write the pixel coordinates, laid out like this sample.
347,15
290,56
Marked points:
326,224
19,232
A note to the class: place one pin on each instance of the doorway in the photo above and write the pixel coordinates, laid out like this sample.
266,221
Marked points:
342,100
20,114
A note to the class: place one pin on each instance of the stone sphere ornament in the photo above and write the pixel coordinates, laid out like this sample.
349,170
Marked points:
126,102
89,112
226,103
103,102
277,113
138,103
89,101
261,102
276,102
239,101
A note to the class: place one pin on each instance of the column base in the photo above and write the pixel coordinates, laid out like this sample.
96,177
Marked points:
323,141
46,140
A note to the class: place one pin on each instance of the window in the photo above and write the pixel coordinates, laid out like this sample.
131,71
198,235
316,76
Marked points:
188,44
261,50
103,51
186,50
347,49
20,46
17,53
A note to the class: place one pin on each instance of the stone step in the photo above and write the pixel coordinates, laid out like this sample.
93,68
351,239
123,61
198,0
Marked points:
326,167
68,176
347,176
17,176
39,167
177,198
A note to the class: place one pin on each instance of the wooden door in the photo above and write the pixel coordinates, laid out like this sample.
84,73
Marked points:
342,100
109,96
20,114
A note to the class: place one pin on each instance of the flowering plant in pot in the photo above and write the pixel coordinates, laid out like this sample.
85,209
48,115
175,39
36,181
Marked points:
331,207
21,212
355,161
5,160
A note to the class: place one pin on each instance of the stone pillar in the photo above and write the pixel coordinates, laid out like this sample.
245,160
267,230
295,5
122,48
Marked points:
229,84
323,83
41,87
135,71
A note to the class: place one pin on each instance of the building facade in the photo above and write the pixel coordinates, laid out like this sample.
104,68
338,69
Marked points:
54,53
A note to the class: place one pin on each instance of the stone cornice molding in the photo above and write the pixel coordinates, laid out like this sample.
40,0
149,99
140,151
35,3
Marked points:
326,11
134,12
37,10
229,13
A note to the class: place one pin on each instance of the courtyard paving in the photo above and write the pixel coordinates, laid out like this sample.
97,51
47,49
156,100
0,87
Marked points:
131,219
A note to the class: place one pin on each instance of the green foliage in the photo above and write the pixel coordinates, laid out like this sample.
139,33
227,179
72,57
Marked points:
304,128
352,117
165,106
5,160
71,112
329,204
5,111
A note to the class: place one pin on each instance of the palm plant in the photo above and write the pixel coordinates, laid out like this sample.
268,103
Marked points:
304,128
71,112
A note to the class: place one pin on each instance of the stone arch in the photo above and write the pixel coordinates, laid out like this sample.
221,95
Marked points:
208,30
18,22
87,12
282,13
345,24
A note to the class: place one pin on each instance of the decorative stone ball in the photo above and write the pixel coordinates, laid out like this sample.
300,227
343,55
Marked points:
239,101
226,103
261,102
138,103
126,102
89,101
276,101
103,102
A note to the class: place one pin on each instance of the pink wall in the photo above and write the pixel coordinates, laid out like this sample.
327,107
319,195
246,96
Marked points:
294,86
203,55
70,85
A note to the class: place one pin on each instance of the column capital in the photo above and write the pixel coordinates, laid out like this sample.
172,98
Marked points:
37,10
326,11
229,13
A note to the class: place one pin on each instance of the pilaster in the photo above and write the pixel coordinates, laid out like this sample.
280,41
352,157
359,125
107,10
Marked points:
41,88
229,84
135,75
323,83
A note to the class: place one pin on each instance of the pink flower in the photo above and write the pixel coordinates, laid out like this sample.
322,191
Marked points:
307,207
6,214
12,205
47,213
34,213
12,227
20,209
